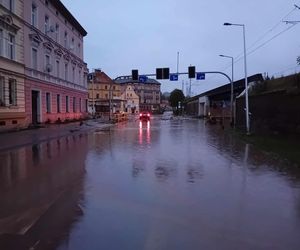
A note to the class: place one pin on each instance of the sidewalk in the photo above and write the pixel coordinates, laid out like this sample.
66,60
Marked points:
16,139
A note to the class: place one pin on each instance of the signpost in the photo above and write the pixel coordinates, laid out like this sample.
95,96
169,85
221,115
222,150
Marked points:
200,76
173,77
143,79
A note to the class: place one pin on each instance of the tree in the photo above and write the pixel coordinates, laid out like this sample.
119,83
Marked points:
176,96
298,60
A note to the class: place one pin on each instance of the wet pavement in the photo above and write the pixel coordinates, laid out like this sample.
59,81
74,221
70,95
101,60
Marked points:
163,184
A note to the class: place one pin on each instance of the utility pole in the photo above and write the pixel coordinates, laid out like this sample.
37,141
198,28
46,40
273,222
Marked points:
177,62
110,96
93,100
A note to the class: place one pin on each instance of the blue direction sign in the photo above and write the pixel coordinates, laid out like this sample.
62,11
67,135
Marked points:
200,76
143,79
173,77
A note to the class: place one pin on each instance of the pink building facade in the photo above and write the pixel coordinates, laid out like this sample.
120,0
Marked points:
55,73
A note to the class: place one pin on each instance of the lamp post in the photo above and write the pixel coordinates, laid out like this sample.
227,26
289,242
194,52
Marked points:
246,78
231,89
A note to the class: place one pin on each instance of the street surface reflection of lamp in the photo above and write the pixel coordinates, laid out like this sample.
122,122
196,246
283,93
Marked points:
246,79
231,91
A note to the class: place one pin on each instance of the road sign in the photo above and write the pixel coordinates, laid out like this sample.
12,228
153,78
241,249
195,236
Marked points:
173,77
200,76
143,79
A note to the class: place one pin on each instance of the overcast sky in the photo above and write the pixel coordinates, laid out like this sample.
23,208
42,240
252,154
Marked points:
146,34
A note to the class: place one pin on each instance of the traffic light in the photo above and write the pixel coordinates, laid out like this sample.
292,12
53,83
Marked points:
135,74
162,73
192,71
166,73
159,73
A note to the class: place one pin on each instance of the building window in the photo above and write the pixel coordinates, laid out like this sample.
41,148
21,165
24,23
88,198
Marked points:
57,68
74,104
47,63
2,91
105,87
79,77
66,71
57,33
80,104
48,103
67,104
97,96
66,39
86,105
33,15
114,87
12,90
34,58
73,74
58,103
1,42
11,47
79,46
72,44
11,5
46,24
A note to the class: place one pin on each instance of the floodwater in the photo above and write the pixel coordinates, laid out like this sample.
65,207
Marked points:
163,184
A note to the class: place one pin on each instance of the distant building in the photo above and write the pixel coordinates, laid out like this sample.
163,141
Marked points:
216,102
103,91
55,73
148,92
12,93
130,98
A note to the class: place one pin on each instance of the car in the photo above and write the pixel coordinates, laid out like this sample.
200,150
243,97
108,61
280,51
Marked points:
145,116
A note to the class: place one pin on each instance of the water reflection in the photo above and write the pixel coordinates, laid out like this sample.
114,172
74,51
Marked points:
41,189
144,131
188,186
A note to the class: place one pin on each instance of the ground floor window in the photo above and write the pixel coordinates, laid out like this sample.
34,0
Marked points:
48,103
74,105
67,104
58,103
80,104
2,91
12,89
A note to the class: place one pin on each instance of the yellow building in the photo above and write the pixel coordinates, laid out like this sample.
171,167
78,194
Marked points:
103,92
12,92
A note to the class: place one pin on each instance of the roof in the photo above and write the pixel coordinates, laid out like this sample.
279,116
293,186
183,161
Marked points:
237,86
124,80
67,14
101,77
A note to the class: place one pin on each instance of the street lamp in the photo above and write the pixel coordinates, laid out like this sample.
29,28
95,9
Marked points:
246,79
231,92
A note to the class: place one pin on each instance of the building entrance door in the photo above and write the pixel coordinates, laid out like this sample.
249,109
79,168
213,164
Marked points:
35,106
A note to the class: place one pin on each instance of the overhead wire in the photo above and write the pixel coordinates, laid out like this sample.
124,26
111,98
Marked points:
241,55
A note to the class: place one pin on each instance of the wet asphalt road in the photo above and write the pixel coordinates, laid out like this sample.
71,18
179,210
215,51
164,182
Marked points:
163,184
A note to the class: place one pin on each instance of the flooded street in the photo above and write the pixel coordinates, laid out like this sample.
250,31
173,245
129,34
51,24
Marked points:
163,184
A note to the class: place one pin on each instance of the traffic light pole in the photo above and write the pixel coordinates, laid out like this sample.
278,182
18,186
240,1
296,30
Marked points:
181,73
